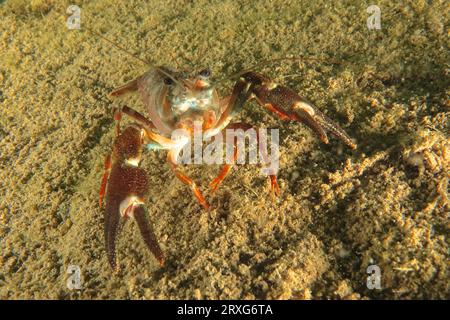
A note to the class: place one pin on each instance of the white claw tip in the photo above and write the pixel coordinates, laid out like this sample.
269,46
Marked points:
126,206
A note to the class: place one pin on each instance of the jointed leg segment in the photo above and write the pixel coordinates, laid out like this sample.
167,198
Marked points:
185,179
226,168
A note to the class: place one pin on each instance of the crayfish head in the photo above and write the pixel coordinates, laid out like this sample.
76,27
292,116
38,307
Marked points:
189,93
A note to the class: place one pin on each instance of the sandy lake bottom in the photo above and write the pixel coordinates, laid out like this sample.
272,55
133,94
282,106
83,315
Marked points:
340,211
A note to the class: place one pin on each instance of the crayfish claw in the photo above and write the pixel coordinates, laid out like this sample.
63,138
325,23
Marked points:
112,219
288,105
125,186
147,233
333,128
305,113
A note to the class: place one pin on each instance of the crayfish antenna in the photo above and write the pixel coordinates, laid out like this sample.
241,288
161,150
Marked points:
126,88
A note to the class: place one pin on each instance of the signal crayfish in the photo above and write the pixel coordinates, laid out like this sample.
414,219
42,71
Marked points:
175,100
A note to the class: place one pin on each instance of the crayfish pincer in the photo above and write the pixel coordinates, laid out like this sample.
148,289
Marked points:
126,186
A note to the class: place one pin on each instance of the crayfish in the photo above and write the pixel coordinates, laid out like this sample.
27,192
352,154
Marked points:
177,100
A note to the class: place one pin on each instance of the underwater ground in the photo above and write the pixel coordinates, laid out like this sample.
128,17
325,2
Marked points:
340,210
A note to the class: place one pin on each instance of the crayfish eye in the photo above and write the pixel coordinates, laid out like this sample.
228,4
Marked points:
205,73
168,81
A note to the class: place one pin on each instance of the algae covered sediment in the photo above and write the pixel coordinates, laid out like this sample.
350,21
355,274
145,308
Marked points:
340,210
